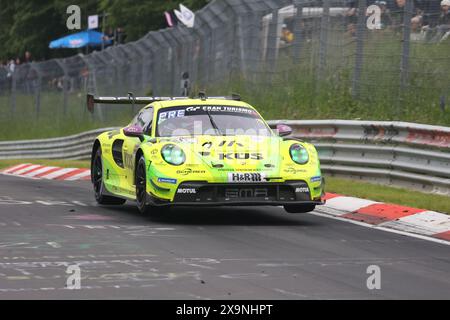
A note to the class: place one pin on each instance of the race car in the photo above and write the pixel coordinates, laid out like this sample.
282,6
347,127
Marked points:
205,151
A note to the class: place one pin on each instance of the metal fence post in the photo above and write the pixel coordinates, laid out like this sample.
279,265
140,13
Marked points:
272,45
360,33
13,92
298,36
61,64
406,32
323,38
37,88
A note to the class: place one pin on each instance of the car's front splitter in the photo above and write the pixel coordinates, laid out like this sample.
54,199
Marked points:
194,193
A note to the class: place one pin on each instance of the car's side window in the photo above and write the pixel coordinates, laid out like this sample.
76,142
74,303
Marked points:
146,118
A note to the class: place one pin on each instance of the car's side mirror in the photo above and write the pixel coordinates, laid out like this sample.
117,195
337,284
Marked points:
283,130
134,131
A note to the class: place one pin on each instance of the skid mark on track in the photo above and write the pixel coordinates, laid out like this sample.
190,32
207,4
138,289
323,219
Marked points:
204,263
244,275
288,293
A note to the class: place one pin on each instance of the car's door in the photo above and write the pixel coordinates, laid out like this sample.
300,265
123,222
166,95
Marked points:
144,120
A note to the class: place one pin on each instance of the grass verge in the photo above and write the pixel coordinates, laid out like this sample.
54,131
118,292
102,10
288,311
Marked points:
387,194
336,185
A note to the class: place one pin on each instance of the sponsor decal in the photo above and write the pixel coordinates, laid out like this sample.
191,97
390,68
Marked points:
179,139
244,169
230,143
292,170
167,180
246,192
192,109
186,190
245,177
171,114
302,190
220,109
187,171
240,155
316,178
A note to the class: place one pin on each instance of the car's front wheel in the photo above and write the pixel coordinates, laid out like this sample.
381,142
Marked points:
141,191
141,187
299,208
97,181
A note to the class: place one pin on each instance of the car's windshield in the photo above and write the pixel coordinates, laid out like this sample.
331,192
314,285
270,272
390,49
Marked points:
210,120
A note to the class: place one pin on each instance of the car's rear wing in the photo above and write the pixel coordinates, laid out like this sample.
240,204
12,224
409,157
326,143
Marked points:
91,100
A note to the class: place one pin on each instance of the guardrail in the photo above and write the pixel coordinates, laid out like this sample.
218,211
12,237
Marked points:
409,155
404,154
74,147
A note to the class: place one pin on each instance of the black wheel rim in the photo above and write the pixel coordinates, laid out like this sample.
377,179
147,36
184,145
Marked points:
97,174
140,184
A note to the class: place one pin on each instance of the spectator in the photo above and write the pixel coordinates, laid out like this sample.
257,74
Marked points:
444,19
286,35
386,19
185,84
11,68
430,11
28,58
109,35
120,36
398,15
440,26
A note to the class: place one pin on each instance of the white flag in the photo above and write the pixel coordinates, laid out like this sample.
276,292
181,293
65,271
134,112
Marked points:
186,16
93,22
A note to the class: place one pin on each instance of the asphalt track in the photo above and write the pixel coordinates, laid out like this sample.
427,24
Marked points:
199,253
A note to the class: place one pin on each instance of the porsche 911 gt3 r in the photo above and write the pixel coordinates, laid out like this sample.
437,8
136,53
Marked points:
203,151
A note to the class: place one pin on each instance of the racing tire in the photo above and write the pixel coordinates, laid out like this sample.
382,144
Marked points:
141,193
299,208
97,181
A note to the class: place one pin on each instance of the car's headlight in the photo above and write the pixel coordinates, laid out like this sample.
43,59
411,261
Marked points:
298,154
173,154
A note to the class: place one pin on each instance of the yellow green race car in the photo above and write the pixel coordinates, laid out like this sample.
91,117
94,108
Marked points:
209,151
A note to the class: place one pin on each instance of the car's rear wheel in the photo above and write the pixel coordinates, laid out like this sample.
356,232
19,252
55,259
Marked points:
97,181
299,208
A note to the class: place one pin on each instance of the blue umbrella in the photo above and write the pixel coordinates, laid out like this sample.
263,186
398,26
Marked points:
89,38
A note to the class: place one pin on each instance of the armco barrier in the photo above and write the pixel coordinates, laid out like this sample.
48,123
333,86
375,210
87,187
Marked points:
404,154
